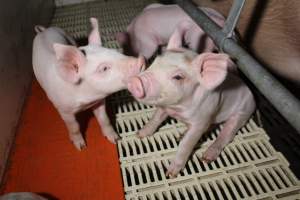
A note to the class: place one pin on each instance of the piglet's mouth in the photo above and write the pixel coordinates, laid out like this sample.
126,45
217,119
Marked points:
136,87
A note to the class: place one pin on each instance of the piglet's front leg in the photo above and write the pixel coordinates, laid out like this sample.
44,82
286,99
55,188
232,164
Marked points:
73,129
105,124
159,116
185,149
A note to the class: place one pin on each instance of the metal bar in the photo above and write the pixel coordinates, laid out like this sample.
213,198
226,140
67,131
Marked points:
233,17
273,90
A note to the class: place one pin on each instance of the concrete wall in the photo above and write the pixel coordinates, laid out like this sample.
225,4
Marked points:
17,19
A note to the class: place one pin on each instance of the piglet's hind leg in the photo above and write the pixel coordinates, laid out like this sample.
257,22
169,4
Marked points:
226,135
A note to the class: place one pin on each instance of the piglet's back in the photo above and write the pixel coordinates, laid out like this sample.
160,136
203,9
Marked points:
43,56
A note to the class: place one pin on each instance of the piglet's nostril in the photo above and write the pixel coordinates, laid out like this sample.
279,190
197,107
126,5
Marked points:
135,86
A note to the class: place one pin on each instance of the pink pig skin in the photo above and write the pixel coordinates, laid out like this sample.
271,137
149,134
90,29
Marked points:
75,79
21,196
158,24
197,90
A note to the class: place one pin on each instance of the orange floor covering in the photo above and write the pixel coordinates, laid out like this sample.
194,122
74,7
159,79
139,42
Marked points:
43,160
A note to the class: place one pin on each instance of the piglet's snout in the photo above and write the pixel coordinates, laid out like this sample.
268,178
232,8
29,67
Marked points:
135,86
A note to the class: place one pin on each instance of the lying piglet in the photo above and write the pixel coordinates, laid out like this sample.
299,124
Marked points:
79,78
197,90
158,24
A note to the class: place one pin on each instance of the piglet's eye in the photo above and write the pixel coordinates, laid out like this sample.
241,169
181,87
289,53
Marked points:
178,77
103,68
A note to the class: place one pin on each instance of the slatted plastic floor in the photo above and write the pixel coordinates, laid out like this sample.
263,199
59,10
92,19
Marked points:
248,168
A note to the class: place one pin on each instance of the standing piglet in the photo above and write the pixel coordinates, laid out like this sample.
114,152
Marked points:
79,78
158,24
197,90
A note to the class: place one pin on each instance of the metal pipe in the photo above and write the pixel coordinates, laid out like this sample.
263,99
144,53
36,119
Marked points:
272,89
233,17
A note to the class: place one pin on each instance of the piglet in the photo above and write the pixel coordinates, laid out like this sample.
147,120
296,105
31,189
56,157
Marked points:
21,196
157,24
198,90
76,79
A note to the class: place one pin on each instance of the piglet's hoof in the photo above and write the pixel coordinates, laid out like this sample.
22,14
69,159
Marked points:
179,138
174,169
79,143
211,154
144,133
140,135
113,138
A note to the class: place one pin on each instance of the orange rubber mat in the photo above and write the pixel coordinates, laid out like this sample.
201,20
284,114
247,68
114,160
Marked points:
43,159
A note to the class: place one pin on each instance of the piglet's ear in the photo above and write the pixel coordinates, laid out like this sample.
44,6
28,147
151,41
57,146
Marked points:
136,65
70,60
94,37
122,38
212,69
175,41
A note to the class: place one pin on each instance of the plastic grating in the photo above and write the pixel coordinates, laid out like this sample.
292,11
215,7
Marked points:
248,168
